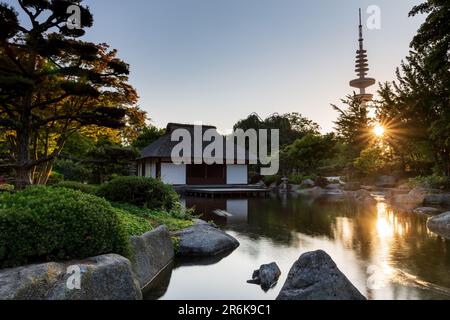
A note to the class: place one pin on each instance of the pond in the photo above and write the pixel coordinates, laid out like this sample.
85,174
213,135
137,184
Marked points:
385,253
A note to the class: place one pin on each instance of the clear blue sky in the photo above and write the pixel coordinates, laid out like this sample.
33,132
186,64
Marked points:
216,61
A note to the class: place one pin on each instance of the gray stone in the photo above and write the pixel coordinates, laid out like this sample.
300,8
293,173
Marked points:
313,192
151,253
414,198
434,199
334,187
427,210
267,276
352,186
107,277
308,183
440,225
315,276
204,240
386,182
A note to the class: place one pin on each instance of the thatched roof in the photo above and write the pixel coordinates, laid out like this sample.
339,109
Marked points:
162,148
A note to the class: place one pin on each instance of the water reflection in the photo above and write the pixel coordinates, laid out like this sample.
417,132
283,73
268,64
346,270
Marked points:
386,253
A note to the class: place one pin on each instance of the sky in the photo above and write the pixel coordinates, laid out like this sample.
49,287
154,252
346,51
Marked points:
217,61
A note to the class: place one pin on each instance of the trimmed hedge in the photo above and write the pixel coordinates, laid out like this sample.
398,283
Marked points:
44,224
74,185
140,191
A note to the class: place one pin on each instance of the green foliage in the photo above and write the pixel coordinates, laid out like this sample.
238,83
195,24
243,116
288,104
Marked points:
292,126
133,224
140,191
6,187
45,224
149,135
432,182
309,153
74,185
371,161
73,171
55,178
297,178
175,220
269,180
176,244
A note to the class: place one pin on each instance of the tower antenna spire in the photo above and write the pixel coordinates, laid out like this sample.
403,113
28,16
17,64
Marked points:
362,68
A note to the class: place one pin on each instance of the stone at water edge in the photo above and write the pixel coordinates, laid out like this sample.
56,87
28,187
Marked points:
107,277
267,276
440,225
151,253
204,240
427,210
308,183
315,276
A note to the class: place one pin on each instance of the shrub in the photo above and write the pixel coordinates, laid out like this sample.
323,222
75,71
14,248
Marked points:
140,191
321,182
55,178
73,171
432,182
269,180
134,225
6,187
74,185
43,224
299,178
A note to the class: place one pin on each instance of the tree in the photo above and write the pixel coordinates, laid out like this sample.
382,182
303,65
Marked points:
353,125
148,135
292,126
416,108
310,152
52,84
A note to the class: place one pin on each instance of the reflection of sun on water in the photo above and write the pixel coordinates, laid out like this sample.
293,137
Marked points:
385,222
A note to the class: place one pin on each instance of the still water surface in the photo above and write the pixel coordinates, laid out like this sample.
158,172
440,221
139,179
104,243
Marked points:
387,254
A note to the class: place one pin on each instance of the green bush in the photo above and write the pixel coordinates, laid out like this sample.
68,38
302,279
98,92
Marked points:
269,180
432,182
140,191
134,225
55,178
43,224
6,187
175,220
74,185
299,178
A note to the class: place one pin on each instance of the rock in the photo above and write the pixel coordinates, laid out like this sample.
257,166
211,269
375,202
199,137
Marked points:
107,277
352,186
308,183
334,187
427,210
204,240
440,225
273,186
414,198
267,276
362,196
386,182
151,253
315,276
313,192
434,199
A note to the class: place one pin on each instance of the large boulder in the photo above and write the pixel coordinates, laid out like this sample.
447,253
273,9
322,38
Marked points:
315,276
434,199
151,253
414,198
386,182
107,277
204,240
267,276
440,225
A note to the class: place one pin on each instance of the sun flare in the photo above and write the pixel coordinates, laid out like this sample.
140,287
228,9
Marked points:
379,130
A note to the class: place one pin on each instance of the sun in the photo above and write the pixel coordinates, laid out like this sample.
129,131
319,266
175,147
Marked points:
379,130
